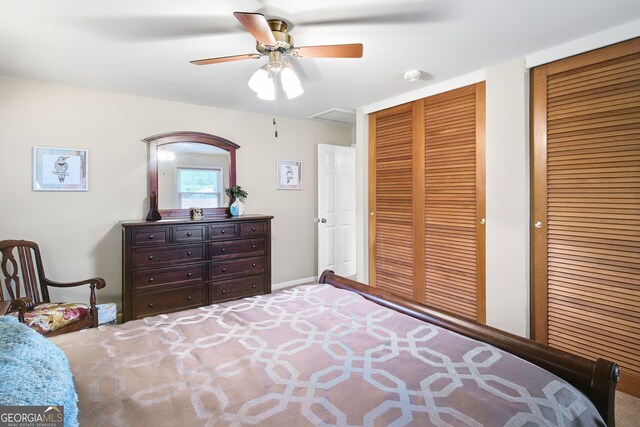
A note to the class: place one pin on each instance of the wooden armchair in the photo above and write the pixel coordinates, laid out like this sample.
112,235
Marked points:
25,288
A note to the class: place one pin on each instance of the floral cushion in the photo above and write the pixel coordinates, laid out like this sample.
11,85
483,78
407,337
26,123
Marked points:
48,317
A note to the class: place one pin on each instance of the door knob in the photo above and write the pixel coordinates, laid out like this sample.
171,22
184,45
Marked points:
372,213
482,221
322,220
538,224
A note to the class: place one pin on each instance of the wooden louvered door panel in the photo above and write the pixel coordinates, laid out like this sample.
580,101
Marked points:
454,193
586,189
391,236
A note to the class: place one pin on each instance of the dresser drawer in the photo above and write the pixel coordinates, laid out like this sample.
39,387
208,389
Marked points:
188,234
166,256
222,231
150,236
238,288
166,301
153,280
236,268
251,229
236,249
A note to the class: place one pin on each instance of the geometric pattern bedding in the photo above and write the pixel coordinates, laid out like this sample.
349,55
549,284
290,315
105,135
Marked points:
309,355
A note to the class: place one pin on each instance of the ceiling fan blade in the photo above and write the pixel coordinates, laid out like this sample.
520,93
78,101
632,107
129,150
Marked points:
221,59
258,26
329,51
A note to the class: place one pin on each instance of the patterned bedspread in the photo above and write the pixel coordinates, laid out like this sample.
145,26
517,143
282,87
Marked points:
310,355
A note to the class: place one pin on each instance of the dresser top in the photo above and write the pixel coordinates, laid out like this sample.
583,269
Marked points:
143,223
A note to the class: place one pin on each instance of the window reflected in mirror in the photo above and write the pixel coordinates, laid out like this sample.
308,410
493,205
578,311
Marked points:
192,175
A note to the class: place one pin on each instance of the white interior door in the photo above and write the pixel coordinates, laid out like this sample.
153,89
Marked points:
336,209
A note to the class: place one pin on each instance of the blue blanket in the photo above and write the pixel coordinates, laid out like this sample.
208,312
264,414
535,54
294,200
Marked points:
34,371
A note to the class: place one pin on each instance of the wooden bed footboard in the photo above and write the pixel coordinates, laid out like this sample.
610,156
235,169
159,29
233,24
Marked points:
597,380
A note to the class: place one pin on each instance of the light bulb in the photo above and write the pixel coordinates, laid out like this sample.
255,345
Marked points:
260,80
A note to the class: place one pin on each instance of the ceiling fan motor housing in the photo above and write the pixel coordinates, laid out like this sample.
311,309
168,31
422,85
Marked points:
284,42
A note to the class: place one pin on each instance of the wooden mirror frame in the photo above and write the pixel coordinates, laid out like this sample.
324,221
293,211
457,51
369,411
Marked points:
156,141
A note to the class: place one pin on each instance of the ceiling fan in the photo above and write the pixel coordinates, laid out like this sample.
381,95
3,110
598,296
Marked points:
272,40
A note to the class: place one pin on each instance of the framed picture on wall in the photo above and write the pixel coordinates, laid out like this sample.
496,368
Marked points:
289,175
60,169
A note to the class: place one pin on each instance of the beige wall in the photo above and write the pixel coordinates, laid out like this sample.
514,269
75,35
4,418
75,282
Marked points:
79,231
507,186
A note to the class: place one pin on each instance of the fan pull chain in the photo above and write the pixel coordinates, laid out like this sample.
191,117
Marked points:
276,125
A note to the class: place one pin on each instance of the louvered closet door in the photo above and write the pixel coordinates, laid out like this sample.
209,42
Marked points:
586,147
391,231
454,193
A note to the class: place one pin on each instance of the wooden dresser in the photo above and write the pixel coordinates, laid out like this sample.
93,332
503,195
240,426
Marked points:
173,265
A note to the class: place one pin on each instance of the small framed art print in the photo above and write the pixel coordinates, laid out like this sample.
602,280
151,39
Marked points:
60,169
289,175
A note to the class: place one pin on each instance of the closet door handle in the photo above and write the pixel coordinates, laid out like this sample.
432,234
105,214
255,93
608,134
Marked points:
482,221
538,224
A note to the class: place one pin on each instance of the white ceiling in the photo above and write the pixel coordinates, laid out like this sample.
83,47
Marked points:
143,47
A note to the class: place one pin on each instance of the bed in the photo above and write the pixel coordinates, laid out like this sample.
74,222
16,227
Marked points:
333,353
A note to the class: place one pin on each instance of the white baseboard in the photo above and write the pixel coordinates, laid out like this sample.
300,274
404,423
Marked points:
278,286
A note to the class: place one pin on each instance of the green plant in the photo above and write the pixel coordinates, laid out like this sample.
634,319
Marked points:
236,192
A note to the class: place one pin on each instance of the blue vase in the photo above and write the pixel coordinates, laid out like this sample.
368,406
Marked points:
237,208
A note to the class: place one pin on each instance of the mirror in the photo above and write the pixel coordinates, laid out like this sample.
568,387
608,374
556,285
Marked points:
188,170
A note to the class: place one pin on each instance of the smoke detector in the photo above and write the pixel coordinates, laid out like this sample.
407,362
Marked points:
411,75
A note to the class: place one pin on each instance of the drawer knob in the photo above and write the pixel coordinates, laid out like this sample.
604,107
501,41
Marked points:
189,253
223,250
151,304
189,298
224,291
253,265
222,231
189,274
189,234
150,236
253,246
253,286
253,229
224,269
150,257
151,279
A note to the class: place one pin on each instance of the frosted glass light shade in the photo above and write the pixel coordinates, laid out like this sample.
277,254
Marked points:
268,92
260,80
291,83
